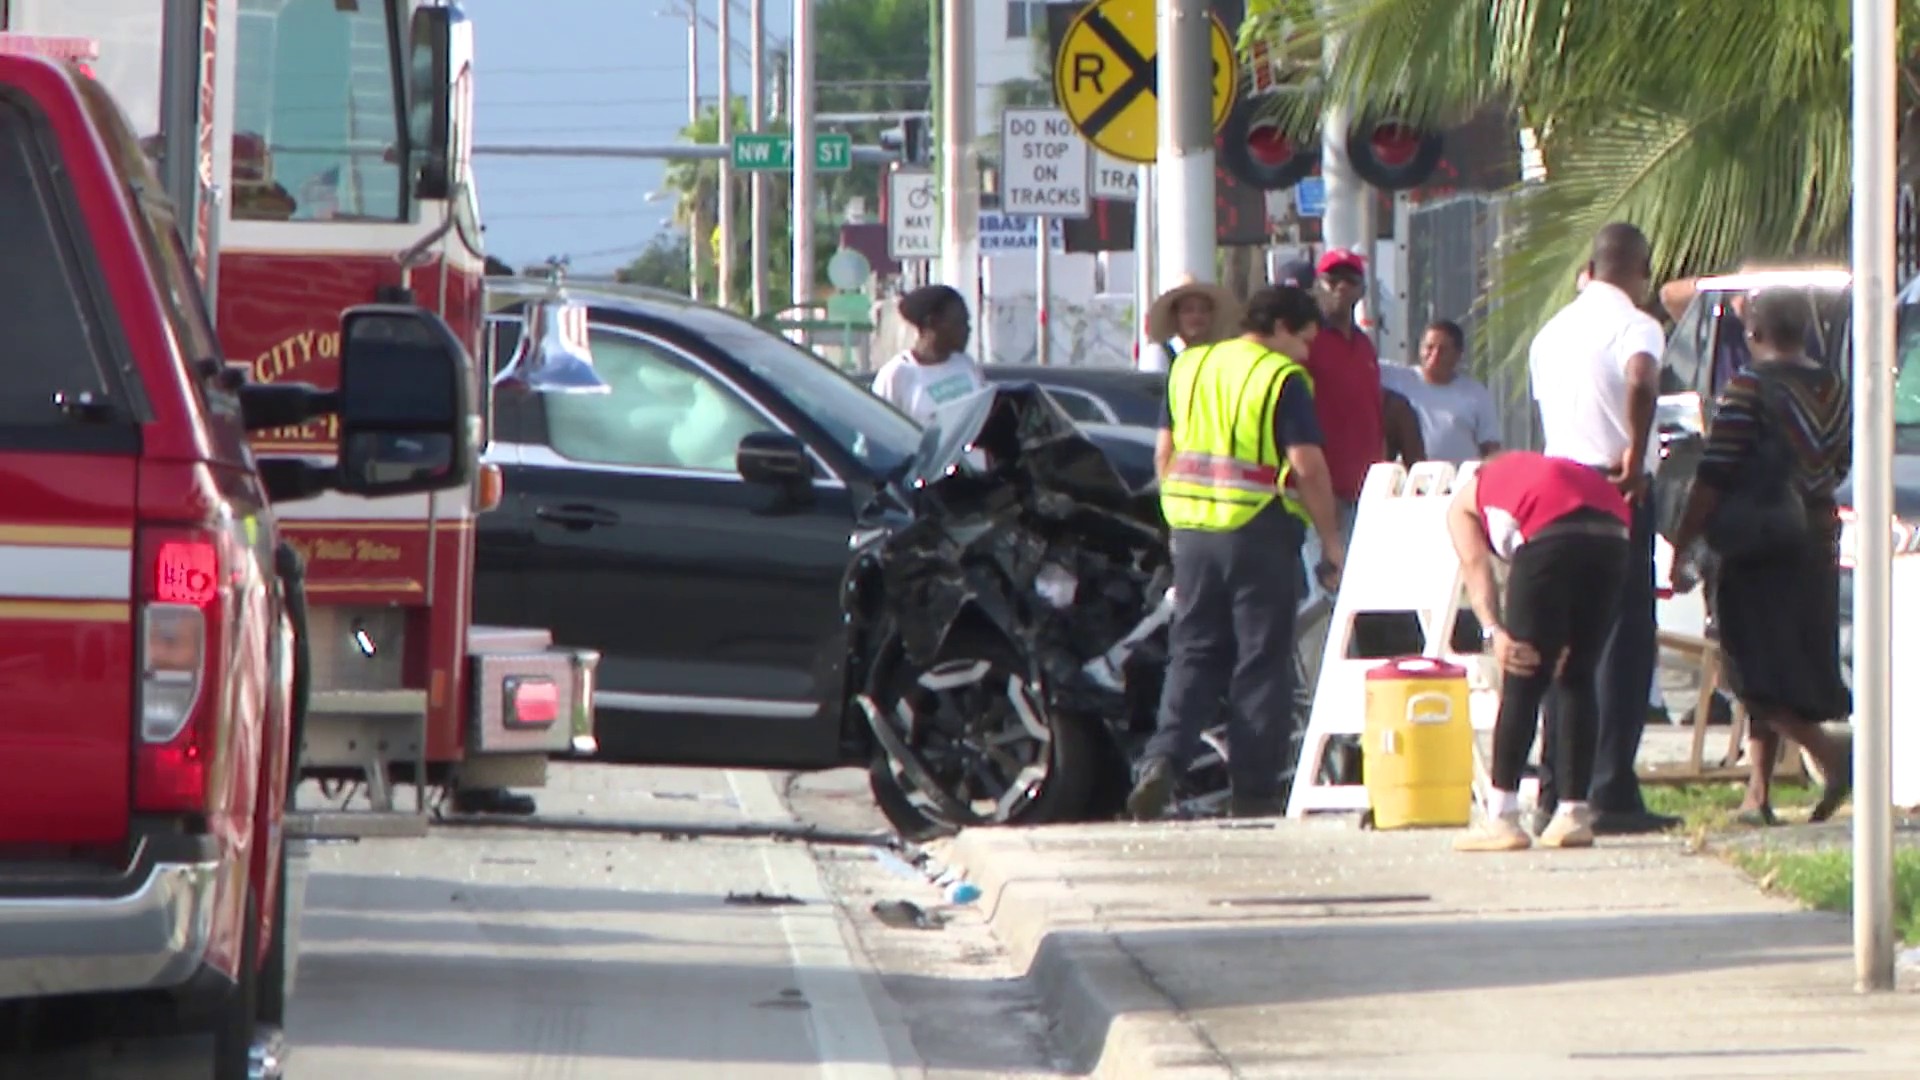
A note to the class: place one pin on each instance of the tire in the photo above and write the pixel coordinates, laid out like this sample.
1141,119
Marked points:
273,970
235,1022
1073,759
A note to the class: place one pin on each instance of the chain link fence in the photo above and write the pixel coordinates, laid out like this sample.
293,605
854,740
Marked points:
1452,271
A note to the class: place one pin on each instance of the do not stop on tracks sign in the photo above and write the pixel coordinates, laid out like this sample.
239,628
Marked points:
1106,77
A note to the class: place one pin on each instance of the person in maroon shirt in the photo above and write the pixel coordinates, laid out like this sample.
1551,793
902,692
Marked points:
1346,381
1562,528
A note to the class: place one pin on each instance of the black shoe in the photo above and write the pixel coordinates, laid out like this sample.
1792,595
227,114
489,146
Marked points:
1152,792
492,801
1632,822
1257,806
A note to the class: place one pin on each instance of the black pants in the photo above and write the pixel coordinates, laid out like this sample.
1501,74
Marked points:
1560,598
1235,596
1621,683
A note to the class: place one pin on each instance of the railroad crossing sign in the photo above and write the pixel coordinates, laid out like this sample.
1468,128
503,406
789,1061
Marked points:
1107,73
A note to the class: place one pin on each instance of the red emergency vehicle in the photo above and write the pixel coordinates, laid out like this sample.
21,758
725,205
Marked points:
148,618
325,149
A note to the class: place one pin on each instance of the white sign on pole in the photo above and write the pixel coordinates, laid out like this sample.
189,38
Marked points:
913,216
1115,179
1045,165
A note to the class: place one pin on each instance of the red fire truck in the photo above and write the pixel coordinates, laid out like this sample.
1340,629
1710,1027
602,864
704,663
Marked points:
321,150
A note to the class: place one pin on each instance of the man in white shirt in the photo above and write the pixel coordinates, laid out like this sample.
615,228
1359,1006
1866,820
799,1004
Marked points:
934,371
1595,370
1458,421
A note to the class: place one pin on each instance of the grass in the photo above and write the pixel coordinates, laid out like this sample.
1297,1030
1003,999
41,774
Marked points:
1823,879
1819,877
1711,807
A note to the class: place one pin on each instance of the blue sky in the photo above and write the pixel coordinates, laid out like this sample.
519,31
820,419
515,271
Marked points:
601,72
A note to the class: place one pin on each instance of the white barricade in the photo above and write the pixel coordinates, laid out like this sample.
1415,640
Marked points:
1401,574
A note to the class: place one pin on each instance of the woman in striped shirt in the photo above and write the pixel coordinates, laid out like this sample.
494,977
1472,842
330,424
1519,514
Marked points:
1778,611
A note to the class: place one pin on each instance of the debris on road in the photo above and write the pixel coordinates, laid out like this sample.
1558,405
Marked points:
907,915
760,899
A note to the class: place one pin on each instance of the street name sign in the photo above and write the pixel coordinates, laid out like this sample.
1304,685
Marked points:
913,216
1044,165
1106,77
764,152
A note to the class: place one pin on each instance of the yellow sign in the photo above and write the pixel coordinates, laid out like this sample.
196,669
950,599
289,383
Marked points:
1106,76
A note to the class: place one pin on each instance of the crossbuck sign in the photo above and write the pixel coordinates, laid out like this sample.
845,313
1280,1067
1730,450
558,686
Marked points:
1045,167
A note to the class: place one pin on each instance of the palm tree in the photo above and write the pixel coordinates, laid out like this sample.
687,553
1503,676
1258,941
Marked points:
1720,127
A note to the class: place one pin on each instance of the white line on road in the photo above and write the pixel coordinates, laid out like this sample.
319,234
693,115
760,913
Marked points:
847,1035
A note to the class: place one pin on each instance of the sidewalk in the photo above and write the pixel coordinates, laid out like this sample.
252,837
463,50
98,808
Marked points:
1313,949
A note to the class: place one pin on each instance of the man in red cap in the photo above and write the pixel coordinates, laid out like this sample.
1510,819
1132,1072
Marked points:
1346,381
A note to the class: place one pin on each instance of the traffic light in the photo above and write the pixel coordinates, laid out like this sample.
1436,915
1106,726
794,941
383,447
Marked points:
1391,155
912,139
1257,153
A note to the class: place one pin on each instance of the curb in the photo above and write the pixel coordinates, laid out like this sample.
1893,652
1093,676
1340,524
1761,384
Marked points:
1109,1017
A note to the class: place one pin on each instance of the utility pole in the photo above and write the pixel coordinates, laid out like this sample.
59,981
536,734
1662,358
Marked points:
693,121
723,292
1875,139
1184,168
959,157
802,128
757,101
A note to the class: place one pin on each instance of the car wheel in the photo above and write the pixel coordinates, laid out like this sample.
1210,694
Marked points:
978,745
236,1021
274,987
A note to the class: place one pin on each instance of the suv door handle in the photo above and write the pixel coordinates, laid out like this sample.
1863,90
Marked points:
577,516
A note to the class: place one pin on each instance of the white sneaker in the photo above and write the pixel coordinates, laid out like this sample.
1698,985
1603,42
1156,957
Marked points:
1570,828
1494,833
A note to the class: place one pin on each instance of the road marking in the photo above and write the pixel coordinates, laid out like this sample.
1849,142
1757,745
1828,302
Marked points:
847,1035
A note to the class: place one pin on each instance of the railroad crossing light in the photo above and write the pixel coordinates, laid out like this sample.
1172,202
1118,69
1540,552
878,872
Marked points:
1259,154
1393,156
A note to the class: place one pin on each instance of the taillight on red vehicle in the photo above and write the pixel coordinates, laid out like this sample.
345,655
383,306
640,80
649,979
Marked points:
180,625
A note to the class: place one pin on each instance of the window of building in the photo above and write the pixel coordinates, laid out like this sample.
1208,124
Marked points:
316,127
1024,17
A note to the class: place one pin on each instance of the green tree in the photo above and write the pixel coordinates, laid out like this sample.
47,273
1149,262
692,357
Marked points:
1720,127
662,264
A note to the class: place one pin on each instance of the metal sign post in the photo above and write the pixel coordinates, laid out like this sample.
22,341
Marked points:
1047,171
801,215
959,157
1875,134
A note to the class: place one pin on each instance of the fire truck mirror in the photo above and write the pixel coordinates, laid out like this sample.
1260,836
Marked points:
430,101
407,421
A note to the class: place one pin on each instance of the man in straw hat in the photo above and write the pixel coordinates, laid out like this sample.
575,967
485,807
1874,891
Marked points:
1192,313
1241,479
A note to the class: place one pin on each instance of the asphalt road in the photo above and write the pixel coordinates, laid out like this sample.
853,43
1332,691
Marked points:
572,951
561,954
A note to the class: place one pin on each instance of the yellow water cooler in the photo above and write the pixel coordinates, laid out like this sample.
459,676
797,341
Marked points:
1417,758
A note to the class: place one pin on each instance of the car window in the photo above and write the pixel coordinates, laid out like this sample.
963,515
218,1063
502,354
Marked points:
1083,407
56,349
866,428
315,123
1686,348
661,411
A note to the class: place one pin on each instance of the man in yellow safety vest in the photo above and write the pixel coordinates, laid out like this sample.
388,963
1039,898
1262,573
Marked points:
1241,476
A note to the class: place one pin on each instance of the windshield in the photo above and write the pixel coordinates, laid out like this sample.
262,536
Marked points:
870,430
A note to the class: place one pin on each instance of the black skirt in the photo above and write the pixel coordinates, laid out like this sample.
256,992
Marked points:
1778,618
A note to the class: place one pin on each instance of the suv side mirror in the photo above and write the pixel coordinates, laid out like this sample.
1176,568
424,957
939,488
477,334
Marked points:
777,460
430,101
405,403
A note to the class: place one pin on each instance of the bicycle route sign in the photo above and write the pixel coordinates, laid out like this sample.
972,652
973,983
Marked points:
1106,77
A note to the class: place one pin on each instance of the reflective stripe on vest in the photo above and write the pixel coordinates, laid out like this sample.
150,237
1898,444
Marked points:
1226,466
